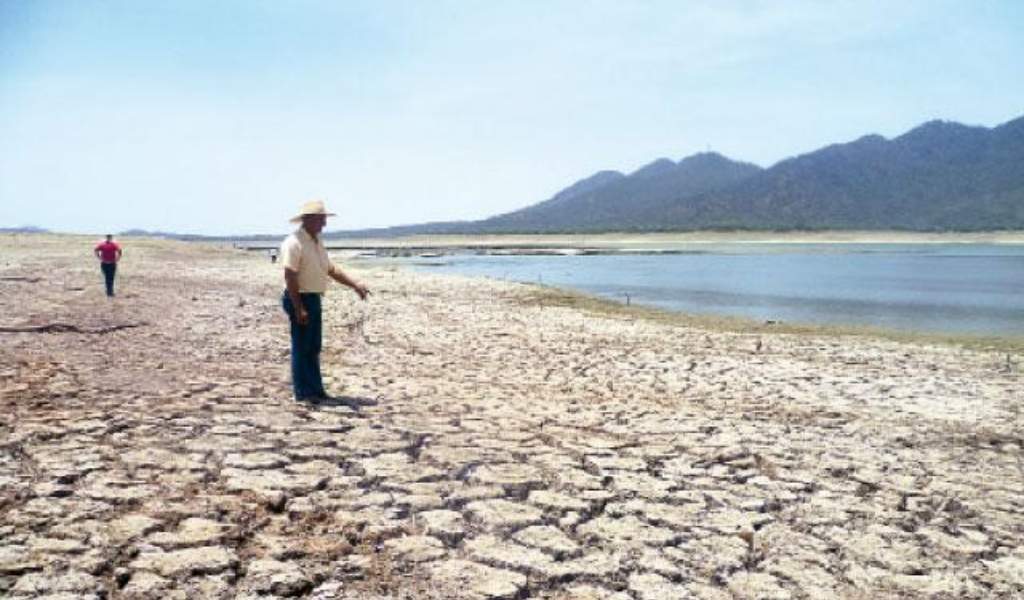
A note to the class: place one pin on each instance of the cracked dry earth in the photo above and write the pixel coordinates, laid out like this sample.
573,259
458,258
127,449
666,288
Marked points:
149,447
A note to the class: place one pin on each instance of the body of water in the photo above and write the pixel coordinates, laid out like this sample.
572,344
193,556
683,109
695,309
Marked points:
942,288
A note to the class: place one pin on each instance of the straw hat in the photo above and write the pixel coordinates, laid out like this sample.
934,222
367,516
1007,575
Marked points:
313,207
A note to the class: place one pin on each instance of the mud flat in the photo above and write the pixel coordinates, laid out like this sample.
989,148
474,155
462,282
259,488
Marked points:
511,446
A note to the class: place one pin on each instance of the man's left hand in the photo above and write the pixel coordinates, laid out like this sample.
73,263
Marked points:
362,290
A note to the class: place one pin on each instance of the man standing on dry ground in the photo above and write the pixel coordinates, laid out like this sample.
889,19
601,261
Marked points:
306,269
109,253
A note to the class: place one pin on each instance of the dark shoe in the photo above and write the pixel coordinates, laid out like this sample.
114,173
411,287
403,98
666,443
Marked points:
312,400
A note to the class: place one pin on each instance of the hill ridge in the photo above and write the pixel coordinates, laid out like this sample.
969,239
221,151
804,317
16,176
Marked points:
940,175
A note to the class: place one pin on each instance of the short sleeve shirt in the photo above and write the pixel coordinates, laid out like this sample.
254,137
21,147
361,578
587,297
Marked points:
307,257
108,251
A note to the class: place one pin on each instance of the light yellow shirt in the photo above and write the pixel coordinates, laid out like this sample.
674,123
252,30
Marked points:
307,257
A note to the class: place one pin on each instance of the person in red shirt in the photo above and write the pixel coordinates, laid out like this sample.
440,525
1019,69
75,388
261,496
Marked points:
109,253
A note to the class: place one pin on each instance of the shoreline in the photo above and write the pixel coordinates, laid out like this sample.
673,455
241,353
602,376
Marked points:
559,296
569,297
654,241
597,240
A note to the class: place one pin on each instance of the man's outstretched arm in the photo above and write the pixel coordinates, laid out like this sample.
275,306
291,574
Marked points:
342,278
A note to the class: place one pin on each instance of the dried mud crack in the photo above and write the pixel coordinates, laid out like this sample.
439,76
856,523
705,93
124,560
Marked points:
493,447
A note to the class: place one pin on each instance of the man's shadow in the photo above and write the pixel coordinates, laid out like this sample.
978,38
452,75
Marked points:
356,403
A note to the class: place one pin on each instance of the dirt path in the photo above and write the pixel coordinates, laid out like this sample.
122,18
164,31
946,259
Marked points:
514,449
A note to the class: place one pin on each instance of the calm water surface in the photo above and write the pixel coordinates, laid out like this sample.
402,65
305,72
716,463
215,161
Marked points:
959,288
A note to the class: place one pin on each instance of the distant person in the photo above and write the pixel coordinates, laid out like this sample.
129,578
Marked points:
109,253
306,269
273,256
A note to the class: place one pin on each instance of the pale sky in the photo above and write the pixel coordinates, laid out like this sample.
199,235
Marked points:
223,117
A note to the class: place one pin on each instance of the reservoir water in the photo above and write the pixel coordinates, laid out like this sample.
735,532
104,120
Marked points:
939,288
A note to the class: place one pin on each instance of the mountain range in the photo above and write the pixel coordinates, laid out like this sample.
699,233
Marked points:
939,176
24,229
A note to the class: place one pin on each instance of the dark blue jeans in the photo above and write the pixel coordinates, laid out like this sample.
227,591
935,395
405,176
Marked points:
307,341
109,270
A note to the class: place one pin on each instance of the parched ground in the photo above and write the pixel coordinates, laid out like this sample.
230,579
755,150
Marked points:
510,447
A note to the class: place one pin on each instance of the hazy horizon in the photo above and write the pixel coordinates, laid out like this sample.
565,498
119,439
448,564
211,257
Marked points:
222,119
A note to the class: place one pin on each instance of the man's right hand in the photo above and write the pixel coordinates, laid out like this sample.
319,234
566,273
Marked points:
291,283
